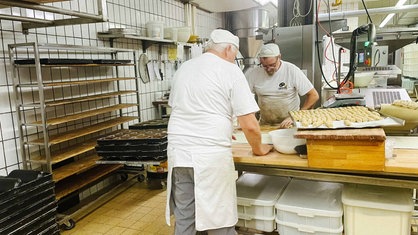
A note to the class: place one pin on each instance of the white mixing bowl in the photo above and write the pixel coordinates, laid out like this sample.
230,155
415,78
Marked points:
284,140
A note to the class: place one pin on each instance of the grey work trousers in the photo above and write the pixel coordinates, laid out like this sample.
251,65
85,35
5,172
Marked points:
182,194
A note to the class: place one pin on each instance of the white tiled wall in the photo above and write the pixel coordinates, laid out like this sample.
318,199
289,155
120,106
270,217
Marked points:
121,13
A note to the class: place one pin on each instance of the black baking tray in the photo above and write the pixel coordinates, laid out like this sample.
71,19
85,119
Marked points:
30,223
20,196
110,61
134,137
140,147
22,202
55,61
133,153
138,158
28,218
151,124
47,227
25,208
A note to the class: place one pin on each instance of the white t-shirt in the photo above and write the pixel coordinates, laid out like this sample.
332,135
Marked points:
278,94
207,92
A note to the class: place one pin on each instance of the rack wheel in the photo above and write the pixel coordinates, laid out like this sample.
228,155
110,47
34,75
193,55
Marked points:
141,178
124,176
68,225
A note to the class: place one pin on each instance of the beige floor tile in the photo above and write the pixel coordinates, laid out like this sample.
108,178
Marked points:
138,210
116,230
134,232
97,227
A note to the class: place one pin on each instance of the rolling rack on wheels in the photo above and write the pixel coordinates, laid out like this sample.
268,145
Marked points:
141,151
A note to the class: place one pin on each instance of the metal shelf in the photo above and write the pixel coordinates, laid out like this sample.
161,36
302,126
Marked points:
70,135
53,108
77,82
67,153
74,17
84,179
81,115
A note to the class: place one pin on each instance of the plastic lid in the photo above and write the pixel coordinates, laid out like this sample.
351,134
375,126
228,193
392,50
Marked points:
261,190
312,198
378,197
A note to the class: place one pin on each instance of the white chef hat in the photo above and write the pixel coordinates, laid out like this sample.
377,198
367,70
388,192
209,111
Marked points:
269,50
224,36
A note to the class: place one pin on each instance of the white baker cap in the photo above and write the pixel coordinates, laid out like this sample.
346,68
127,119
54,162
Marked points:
269,50
224,36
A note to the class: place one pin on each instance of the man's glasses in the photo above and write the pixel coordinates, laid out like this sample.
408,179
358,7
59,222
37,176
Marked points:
268,66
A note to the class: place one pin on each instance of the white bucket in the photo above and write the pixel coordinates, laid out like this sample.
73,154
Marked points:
155,29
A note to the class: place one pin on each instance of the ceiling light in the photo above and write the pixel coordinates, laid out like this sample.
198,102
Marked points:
264,2
391,15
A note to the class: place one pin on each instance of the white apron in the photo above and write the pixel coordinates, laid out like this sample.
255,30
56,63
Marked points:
275,108
215,192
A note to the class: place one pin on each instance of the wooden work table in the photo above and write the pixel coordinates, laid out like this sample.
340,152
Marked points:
400,171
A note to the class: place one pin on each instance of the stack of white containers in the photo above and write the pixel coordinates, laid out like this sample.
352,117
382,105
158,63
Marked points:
256,197
310,207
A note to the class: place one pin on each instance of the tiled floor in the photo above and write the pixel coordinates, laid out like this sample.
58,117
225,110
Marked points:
136,211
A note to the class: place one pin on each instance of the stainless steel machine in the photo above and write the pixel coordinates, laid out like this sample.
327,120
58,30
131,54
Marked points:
248,25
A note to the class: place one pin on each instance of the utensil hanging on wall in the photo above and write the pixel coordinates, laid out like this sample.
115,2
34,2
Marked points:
143,70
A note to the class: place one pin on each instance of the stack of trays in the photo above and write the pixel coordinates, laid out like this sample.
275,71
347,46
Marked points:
134,145
310,207
27,203
151,124
256,197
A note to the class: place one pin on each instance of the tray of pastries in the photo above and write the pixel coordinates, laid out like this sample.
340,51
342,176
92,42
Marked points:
341,117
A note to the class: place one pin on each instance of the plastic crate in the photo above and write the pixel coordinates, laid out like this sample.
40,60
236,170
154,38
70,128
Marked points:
377,210
311,203
256,196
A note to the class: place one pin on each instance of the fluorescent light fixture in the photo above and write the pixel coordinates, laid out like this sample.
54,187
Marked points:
264,2
386,20
391,15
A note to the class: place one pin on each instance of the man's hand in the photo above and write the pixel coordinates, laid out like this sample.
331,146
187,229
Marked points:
287,123
263,150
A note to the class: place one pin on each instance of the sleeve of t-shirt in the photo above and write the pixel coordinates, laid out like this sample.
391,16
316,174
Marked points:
249,75
303,84
243,101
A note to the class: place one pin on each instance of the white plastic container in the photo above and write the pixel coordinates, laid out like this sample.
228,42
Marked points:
377,210
286,228
311,203
183,34
265,224
256,196
155,29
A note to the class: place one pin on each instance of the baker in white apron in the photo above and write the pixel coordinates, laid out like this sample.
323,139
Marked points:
206,93
278,85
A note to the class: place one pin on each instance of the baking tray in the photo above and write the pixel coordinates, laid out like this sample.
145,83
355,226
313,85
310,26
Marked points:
151,124
27,218
386,121
26,208
130,158
30,222
140,147
47,227
22,202
134,137
110,61
132,153
54,61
